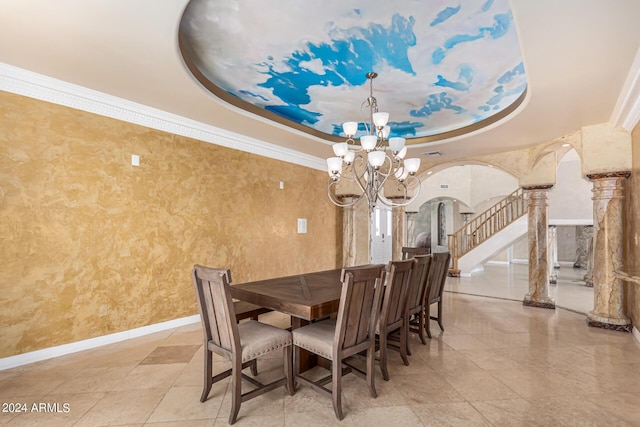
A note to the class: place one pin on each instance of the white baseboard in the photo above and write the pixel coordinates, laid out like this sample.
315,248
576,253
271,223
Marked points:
636,334
61,350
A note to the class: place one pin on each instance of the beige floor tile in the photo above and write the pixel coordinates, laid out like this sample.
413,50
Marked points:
193,374
319,417
171,354
60,410
194,337
395,366
554,411
122,407
93,379
183,403
618,378
502,358
457,414
477,385
426,389
308,400
466,342
451,361
271,403
542,382
385,417
36,383
144,377
622,406
183,423
356,392
253,421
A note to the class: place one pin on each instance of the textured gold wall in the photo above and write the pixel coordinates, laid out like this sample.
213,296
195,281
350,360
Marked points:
81,228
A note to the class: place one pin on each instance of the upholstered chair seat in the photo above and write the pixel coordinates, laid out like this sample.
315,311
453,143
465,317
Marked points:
317,338
257,339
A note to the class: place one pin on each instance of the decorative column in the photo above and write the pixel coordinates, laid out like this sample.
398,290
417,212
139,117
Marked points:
349,236
538,224
553,254
588,277
411,227
583,238
398,231
608,305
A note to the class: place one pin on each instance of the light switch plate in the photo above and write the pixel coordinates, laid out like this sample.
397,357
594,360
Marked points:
302,225
135,160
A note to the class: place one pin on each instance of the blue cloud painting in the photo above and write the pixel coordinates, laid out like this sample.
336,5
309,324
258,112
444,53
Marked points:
442,65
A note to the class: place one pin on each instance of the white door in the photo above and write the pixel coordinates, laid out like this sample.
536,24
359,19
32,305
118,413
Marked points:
381,235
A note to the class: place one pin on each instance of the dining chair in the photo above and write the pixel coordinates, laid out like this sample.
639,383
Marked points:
246,310
392,317
435,287
240,343
415,297
352,332
408,252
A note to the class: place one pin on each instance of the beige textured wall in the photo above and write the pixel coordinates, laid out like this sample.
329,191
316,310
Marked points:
631,235
82,229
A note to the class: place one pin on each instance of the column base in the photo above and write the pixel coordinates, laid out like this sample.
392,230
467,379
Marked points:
453,273
546,303
620,325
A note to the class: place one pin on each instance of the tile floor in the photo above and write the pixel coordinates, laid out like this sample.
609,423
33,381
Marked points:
497,364
512,282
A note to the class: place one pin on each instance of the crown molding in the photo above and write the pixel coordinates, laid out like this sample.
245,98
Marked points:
626,113
22,82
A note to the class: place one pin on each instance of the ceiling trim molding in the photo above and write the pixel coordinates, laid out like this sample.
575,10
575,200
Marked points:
626,113
22,82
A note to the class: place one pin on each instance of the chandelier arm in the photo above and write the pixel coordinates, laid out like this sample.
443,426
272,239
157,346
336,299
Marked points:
336,201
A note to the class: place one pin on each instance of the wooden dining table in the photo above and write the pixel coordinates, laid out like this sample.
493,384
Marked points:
305,297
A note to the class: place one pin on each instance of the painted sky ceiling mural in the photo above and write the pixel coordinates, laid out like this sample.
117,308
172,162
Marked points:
442,65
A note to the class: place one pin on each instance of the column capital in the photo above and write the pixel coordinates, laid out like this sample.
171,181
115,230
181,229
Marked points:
537,187
620,174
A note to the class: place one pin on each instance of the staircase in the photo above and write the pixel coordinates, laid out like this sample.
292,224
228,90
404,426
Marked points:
507,211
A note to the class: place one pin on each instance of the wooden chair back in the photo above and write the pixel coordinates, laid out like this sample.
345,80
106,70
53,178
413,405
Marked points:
408,252
216,309
359,307
418,283
394,300
437,277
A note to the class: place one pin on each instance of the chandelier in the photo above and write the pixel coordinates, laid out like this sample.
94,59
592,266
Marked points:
368,170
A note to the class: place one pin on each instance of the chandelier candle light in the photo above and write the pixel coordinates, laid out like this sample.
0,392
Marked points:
370,166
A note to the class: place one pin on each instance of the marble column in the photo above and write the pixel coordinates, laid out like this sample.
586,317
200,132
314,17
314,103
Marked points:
588,277
553,254
349,236
538,225
398,231
411,227
583,238
608,305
